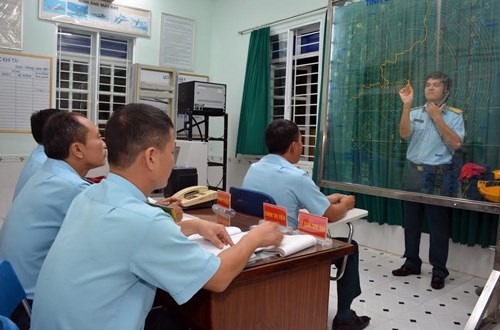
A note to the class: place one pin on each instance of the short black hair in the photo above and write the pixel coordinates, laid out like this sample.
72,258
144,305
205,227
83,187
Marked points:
60,131
133,128
280,134
38,120
445,79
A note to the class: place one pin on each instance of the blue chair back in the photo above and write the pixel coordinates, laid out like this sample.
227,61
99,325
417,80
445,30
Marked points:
12,292
7,324
249,201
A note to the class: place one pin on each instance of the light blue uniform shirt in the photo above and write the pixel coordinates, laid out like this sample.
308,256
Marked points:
111,254
33,164
290,186
35,217
426,145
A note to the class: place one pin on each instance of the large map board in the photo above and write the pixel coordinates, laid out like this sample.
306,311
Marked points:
379,46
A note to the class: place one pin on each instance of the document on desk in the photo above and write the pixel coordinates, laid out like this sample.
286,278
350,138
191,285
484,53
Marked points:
290,244
235,233
186,216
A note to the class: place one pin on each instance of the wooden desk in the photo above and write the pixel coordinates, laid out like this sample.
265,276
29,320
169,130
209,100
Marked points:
275,293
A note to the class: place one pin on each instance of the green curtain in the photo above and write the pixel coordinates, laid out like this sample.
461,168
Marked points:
256,103
376,48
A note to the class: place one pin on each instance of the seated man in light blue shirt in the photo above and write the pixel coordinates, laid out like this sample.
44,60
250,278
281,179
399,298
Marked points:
37,157
73,146
114,250
277,176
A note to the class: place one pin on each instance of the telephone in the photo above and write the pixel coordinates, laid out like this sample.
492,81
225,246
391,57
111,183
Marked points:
444,99
195,195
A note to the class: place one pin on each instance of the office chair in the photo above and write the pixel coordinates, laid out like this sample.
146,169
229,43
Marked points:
341,270
12,291
249,201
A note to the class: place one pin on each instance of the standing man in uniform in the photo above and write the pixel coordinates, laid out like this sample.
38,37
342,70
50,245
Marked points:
435,131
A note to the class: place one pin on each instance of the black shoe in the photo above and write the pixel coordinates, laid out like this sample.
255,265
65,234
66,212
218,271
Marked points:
403,271
437,283
354,323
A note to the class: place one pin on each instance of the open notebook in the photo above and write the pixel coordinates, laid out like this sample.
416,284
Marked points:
290,244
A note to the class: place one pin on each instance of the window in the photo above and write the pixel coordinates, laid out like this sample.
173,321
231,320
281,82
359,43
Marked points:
295,81
92,71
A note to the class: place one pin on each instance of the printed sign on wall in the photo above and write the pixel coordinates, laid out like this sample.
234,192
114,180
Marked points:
98,14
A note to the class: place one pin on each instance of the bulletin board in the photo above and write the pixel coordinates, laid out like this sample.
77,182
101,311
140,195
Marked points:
25,87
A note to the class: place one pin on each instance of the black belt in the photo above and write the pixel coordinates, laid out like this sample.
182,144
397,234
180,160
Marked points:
423,167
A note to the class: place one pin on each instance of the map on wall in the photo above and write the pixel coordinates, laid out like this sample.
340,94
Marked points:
377,47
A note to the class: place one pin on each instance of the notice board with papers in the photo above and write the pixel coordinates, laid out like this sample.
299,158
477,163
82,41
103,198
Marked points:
25,87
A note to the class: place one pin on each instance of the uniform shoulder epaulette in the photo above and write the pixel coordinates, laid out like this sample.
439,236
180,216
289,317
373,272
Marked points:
455,110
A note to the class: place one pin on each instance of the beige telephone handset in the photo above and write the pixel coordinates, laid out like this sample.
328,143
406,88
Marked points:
195,195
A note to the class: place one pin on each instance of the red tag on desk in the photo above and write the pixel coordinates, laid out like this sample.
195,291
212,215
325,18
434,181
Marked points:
224,199
275,213
314,225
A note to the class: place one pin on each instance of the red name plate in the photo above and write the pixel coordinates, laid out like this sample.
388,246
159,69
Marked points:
224,199
226,221
275,213
314,225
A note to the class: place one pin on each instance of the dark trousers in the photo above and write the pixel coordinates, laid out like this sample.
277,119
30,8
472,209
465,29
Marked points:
348,286
20,317
159,318
439,232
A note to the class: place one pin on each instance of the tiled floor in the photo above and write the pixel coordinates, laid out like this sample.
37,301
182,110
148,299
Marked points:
409,302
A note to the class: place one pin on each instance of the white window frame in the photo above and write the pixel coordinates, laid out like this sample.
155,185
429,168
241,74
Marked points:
94,60
289,98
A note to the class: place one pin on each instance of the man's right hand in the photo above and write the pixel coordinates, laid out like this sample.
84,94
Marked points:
348,201
234,259
266,234
406,94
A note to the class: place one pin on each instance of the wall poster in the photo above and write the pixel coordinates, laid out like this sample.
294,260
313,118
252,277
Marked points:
177,42
11,29
98,14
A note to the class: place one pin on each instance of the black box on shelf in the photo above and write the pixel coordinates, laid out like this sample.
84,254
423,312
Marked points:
201,97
